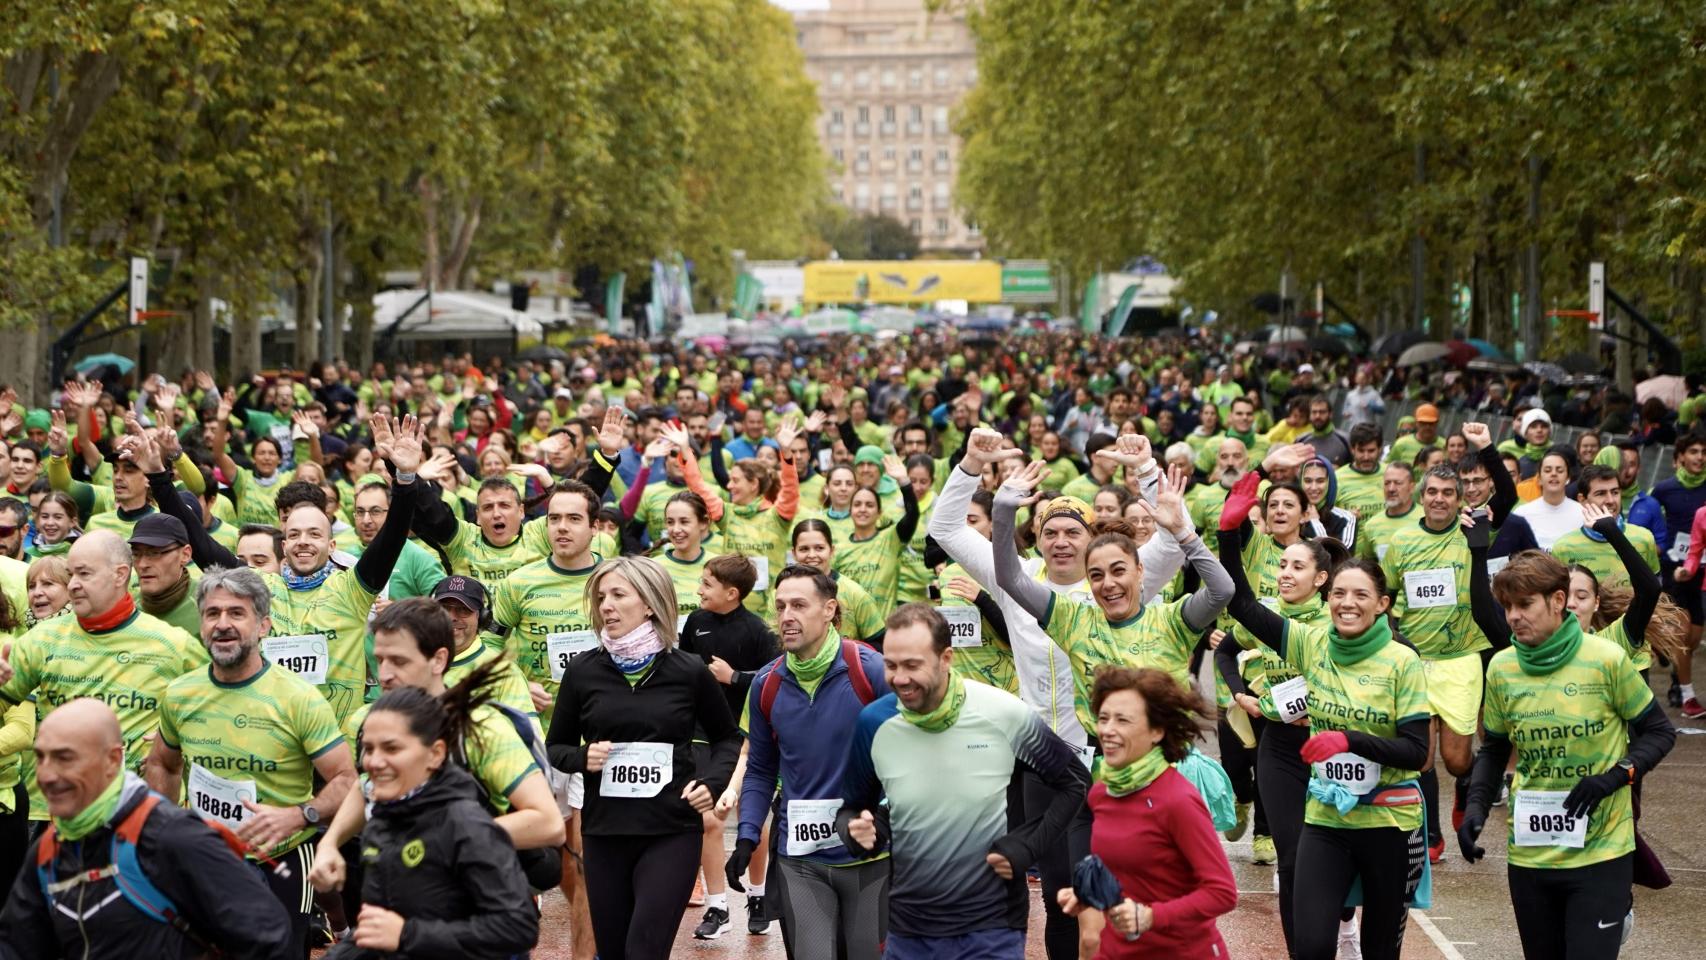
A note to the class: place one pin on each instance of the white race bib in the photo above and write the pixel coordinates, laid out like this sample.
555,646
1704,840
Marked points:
811,826
638,769
1357,774
1538,820
1431,588
762,565
965,625
1679,547
560,647
1291,699
1495,564
217,798
305,655
1086,756
1380,551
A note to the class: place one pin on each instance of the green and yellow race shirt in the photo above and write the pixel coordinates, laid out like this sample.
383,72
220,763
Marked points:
495,753
257,499
1375,695
913,585
1275,668
128,668
509,687
472,555
224,533
1405,448
1364,493
684,576
1157,637
336,612
1204,503
1429,573
874,563
991,659
755,531
1566,725
652,504
1615,631
257,739
1376,532
861,618
118,520
1601,557
544,608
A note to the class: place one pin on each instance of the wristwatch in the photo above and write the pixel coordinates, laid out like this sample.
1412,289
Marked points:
310,813
1627,765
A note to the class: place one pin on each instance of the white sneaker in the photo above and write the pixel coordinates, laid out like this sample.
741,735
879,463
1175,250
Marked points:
1350,940
1628,927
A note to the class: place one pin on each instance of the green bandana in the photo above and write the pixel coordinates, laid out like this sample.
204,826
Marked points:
1535,452
810,672
1308,611
1349,650
92,817
1690,480
1551,653
1134,776
945,713
1249,439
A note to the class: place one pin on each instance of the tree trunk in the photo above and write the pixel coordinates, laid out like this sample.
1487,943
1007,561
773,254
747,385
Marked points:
450,272
201,320
429,220
245,344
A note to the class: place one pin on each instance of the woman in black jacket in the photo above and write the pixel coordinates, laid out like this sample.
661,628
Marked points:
626,715
440,877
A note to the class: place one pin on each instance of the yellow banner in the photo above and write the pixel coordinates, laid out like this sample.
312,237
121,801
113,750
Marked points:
902,281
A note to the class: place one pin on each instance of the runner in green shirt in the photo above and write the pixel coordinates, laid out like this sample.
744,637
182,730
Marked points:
688,529
1361,481
1583,726
465,601
1375,535
253,736
1583,546
860,616
873,553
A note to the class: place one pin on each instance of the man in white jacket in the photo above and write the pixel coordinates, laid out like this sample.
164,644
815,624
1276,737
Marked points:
1045,675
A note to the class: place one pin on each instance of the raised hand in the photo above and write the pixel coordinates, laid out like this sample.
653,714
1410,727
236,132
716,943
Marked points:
1170,502
1024,483
787,431
1291,456
815,422
658,449
58,440
439,469
167,440
383,435
964,587
894,467
408,445
613,433
532,471
10,423
1477,434
1137,447
204,381
1592,513
678,437
300,420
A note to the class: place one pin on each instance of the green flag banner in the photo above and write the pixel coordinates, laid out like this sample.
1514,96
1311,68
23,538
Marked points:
1122,311
613,301
1089,313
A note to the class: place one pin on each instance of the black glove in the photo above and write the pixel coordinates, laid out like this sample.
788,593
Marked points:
1481,533
1474,821
1589,791
738,862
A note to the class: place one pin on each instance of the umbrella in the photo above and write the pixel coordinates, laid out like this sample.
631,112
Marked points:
1394,344
1578,362
90,364
543,351
1490,350
1287,334
1493,365
1671,390
1547,371
1096,886
1425,352
1461,352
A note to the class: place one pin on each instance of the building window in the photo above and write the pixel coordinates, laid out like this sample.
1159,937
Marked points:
941,226
942,76
862,197
915,225
889,78
840,155
838,192
915,113
864,155
862,78
863,113
837,115
888,154
916,190
836,78
888,113
915,80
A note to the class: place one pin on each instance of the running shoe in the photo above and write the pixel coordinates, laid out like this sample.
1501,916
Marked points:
1674,694
713,926
1692,709
1350,940
757,918
1240,825
1436,851
1262,850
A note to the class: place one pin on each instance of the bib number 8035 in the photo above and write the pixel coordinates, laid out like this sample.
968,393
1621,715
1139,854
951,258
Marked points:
1551,823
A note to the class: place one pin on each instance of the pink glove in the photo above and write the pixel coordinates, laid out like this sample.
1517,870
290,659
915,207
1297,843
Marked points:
1239,501
1324,745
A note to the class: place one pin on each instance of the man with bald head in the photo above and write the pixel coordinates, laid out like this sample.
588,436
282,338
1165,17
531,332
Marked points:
1205,500
110,650
223,903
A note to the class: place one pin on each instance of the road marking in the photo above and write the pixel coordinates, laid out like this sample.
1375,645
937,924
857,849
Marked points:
1445,947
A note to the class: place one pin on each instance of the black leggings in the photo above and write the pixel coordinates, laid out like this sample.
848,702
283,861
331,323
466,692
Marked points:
637,889
1329,859
1572,914
1240,764
1060,932
14,836
1283,780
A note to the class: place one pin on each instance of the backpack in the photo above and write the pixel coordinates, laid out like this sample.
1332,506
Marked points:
126,871
557,779
855,674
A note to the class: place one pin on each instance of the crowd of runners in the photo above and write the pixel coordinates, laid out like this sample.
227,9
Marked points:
865,643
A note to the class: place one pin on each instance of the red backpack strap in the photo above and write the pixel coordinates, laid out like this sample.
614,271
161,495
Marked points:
767,692
47,847
856,672
130,828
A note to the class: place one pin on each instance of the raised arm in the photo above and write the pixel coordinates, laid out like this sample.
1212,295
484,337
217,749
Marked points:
142,447
908,523
947,524
1268,627
405,451
1204,605
1010,577
1642,579
788,502
1489,615
1504,488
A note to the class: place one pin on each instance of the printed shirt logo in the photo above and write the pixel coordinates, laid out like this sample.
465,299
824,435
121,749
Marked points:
413,853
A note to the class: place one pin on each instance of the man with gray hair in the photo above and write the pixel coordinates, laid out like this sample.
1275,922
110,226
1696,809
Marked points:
110,650
253,736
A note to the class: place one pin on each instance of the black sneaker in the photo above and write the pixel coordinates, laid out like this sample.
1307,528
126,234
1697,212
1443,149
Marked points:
716,921
757,920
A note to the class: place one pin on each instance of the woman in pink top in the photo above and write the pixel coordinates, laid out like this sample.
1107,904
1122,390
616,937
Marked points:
1696,540
1152,828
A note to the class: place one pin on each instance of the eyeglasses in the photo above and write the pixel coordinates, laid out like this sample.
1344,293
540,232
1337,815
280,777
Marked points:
375,513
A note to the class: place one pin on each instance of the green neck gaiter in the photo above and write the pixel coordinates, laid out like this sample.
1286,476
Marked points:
1690,480
93,816
1551,653
1134,776
1247,438
1349,650
945,713
1308,611
810,672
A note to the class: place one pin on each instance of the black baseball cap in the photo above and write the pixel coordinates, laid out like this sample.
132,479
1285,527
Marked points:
467,591
159,530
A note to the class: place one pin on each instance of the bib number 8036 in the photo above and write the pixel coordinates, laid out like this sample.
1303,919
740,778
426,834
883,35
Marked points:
1347,770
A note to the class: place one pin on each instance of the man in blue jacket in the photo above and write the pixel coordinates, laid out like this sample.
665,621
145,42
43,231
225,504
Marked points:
802,711
1680,496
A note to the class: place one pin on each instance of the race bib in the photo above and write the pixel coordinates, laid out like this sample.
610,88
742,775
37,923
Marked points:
1291,699
217,798
1679,547
305,655
1538,820
638,769
1495,564
1431,588
1086,756
965,625
762,565
1356,774
811,826
561,647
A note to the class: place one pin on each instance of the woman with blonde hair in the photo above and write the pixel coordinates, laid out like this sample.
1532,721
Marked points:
627,714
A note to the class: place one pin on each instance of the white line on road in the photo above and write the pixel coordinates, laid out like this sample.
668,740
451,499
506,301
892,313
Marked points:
1446,947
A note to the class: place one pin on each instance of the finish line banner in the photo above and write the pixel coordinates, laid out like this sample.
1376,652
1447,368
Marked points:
902,281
